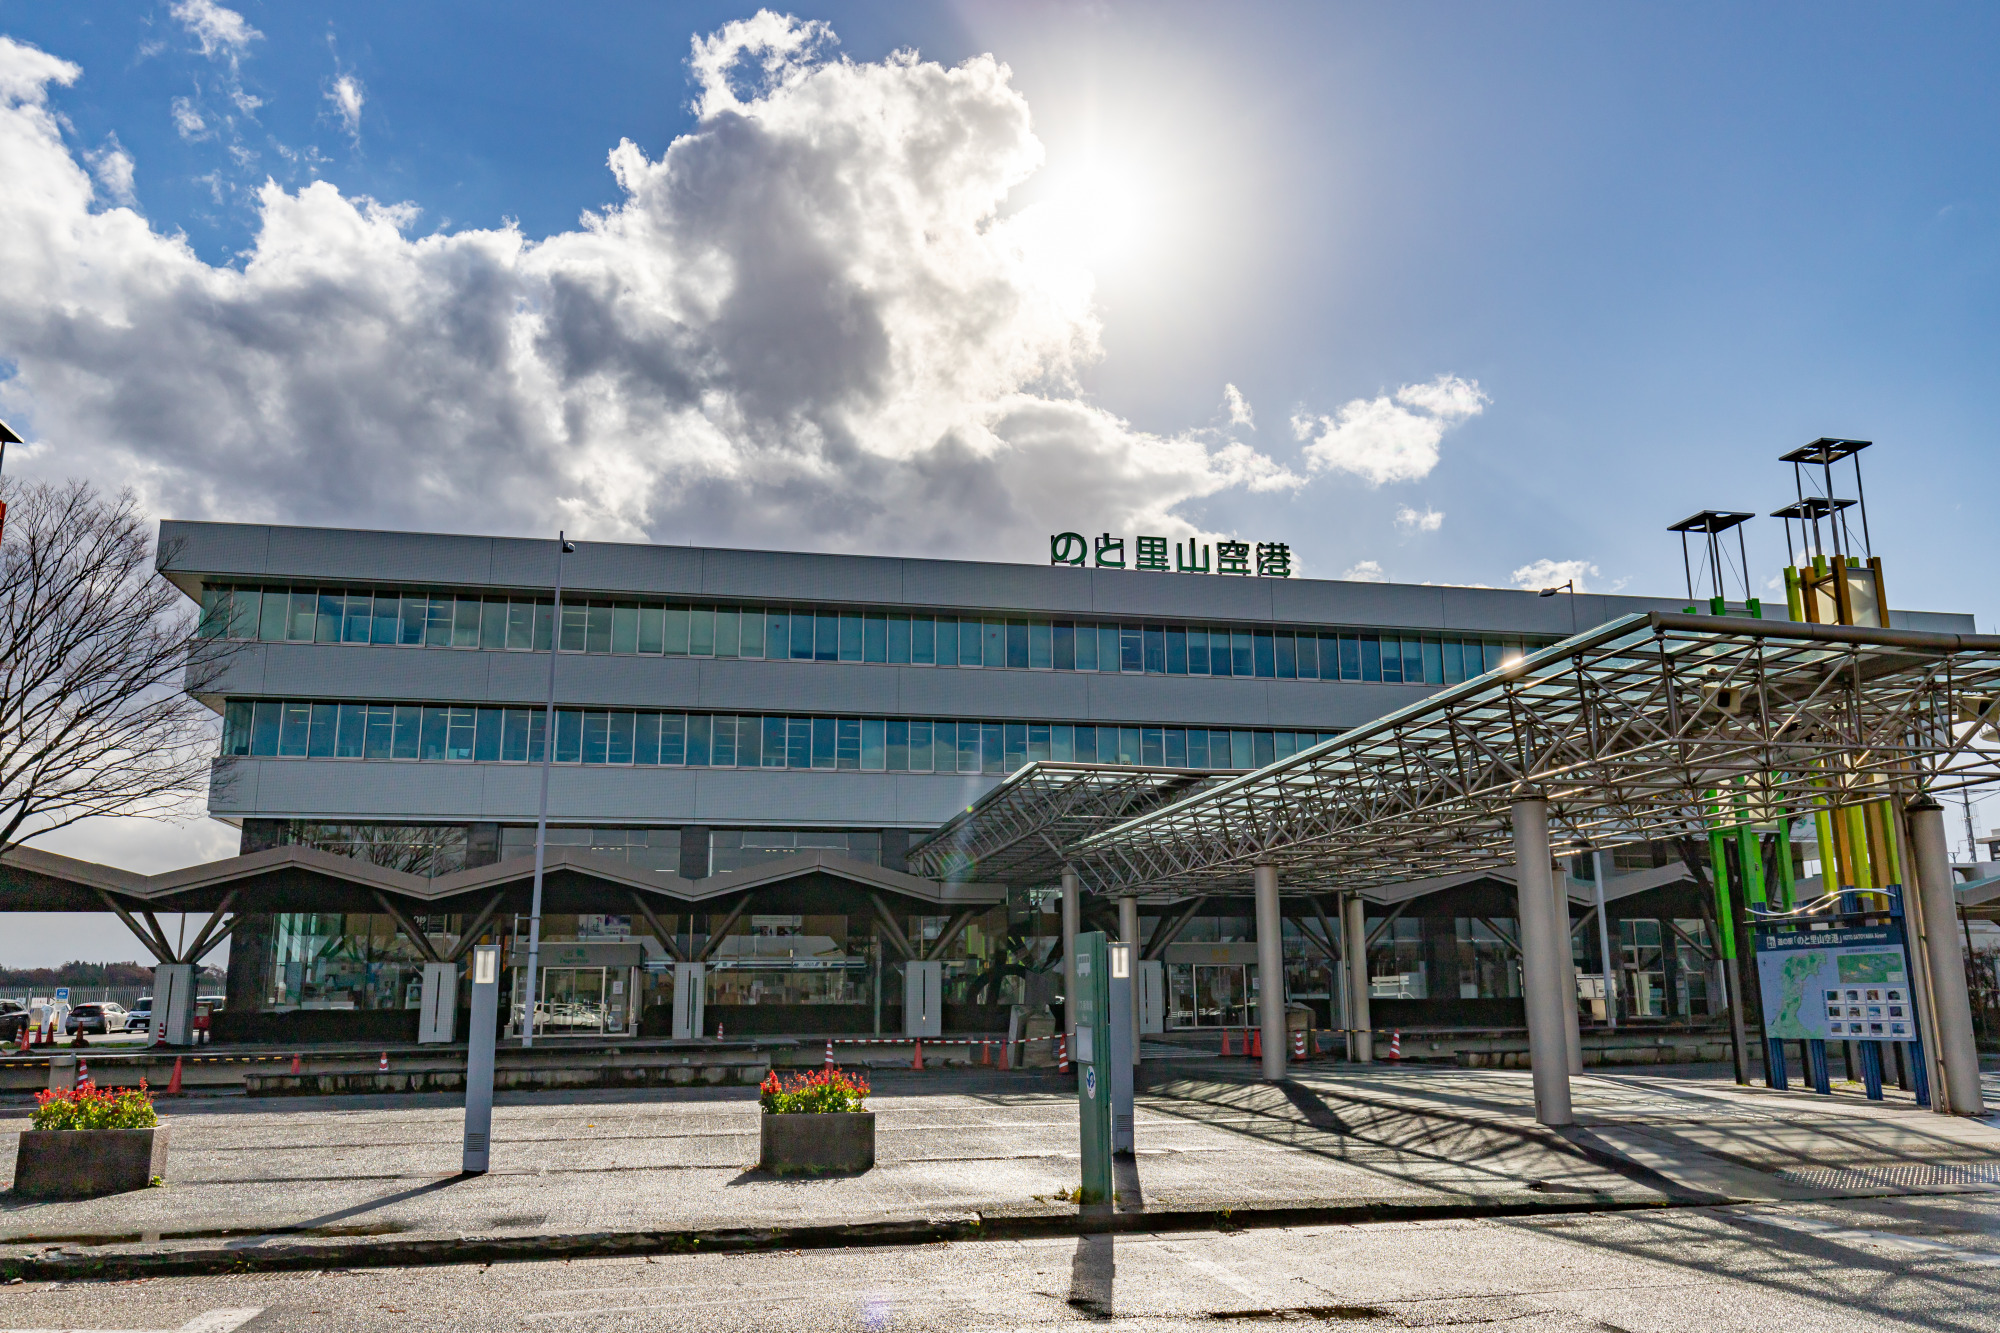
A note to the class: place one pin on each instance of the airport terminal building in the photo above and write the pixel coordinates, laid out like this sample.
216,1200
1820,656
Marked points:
747,744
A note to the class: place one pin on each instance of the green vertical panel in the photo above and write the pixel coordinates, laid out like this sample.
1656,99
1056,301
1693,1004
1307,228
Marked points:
1093,1074
1785,872
1752,860
1725,919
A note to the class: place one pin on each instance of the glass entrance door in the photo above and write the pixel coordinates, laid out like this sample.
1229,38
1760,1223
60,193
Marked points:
1219,995
573,1002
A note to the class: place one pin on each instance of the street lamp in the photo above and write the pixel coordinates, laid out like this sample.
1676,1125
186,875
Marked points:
1570,588
529,1007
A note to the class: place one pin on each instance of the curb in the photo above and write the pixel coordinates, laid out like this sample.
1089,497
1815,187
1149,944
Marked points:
272,1252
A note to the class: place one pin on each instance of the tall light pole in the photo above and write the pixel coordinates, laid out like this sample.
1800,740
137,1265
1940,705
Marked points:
1570,588
7,437
529,1006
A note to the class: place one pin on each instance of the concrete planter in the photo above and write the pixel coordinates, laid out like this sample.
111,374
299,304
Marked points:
842,1141
86,1163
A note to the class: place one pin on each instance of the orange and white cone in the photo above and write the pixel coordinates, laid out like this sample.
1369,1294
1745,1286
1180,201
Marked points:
1395,1045
829,1052
382,1065
82,1071
295,1062
1062,1054
1298,1045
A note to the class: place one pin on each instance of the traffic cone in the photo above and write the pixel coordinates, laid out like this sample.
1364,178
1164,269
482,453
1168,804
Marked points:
1298,1045
382,1065
295,1062
82,1071
829,1052
174,1082
1062,1054
1395,1045
1006,1050
1256,1051
27,1036
918,1063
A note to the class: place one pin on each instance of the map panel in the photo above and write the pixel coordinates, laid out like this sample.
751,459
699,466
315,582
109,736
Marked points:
1835,985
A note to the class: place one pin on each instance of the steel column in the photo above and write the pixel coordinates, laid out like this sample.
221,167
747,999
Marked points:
1541,961
1270,970
1128,933
1950,1004
1072,913
1354,966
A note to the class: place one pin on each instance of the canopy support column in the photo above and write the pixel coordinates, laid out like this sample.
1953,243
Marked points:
1128,931
1354,967
1270,970
1542,950
1072,913
1950,1005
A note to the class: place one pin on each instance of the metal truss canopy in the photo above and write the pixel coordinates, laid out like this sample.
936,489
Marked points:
1642,728
1020,832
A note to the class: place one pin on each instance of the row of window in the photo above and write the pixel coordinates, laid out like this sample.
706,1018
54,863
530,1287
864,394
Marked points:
303,729
325,615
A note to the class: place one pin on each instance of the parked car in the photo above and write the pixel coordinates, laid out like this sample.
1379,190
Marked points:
13,1021
104,1017
140,1017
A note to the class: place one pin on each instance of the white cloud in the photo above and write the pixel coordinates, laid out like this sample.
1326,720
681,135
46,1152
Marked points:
218,30
1366,571
114,169
188,121
1239,410
347,96
1411,520
1554,573
1393,437
811,323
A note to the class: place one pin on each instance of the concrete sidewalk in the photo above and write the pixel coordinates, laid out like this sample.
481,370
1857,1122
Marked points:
357,1180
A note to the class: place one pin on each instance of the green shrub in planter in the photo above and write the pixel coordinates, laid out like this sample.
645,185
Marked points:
90,1141
816,1123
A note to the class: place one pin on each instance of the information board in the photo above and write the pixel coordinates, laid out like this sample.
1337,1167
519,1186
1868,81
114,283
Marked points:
1835,985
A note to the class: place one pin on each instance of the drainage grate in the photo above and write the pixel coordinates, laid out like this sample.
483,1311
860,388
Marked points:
1915,1175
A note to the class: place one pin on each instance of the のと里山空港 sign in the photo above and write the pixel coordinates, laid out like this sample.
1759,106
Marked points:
1835,985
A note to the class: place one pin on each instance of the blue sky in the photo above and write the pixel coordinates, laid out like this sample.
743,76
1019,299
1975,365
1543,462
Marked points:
1532,281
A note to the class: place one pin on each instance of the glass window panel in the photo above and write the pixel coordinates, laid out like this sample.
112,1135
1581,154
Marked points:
897,644
437,622
265,722
1038,741
1014,745
493,623
728,632
847,743
295,726
1177,654
332,608
823,732
378,731
753,633
1086,647
722,742
1085,745
460,732
1392,659
1156,650
569,736
1131,648
1242,654
1017,645
920,746
1350,657
1041,646
597,627
826,637
245,605
596,736
1062,646
777,633
1413,661
1433,663
1371,658
774,742
465,622
325,721
1197,748
968,747
408,740
701,631
538,735
236,715
545,626
214,622
993,640
1264,748
850,637
803,623
304,616
699,734
675,620
271,618
652,630
947,641
486,735
1453,655
896,739
1285,652
1264,654
990,744
1176,747
357,620
646,739
1062,743
1308,651
1128,745
1152,749
514,734
352,736
873,741
673,738
798,742
624,629
436,727
971,643
575,628
923,641
875,638
1284,745
384,617
1242,750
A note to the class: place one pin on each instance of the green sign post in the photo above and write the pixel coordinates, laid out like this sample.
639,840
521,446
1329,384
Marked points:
1094,1053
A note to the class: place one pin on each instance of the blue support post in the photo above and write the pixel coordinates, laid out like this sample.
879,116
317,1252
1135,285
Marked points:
1774,1064
1871,1069
1816,1068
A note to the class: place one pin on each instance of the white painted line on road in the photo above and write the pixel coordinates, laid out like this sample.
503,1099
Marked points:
1218,1273
1888,1240
215,1321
